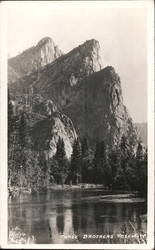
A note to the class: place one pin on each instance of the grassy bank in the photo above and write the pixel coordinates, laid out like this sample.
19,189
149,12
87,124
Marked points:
17,236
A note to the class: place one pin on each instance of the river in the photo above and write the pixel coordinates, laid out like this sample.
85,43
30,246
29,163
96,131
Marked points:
78,216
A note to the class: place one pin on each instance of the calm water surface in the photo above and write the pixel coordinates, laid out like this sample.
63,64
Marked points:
71,216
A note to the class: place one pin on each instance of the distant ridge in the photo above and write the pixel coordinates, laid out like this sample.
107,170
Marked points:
142,131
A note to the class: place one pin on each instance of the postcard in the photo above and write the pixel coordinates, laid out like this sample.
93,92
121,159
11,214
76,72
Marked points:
77,124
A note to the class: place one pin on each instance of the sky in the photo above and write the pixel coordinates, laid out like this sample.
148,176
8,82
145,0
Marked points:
121,32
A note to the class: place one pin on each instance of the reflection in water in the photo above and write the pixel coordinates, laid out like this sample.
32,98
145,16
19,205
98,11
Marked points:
68,229
60,219
54,230
64,217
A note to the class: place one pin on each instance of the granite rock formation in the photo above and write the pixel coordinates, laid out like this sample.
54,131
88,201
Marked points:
82,90
33,59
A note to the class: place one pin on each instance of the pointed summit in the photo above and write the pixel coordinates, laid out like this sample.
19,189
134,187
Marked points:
91,43
65,72
91,49
45,40
32,59
88,54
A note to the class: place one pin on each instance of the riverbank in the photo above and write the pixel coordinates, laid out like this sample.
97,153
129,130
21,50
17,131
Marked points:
110,195
16,189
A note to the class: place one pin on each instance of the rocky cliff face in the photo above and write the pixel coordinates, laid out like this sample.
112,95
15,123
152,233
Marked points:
59,79
45,125
46,133
91,97
57,125
33,59
98,111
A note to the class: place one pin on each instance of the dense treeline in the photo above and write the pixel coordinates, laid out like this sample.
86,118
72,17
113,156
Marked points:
119,167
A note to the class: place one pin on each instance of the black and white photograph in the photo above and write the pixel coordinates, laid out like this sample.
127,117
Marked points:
78,95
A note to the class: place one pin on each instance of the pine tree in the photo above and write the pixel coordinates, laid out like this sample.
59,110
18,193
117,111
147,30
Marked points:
85,147
144,175
114,161
62,160
31,169
60,151
87,158
22,142
53,170
102,169
42,168
75,172
23,129
10,108
139,153
97,171
11,119
125,170
141,170
124,161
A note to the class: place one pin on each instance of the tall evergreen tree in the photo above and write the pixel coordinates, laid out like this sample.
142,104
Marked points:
124,161
139,153
11,119
114,161
76,160
141,170
60,151
85,147
87,158
10,107
144,178
98,171
62,160
102,169
125,170
23,129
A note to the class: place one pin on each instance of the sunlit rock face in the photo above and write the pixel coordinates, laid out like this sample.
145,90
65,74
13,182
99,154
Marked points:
33,59
52,126
62,128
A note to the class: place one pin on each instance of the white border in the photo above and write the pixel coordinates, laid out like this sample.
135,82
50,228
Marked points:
3,125
149,4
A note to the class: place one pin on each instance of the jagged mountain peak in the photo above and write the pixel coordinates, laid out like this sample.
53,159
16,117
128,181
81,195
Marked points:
45,40
89,95
48,41
90,43
32,59
89,49
68,70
